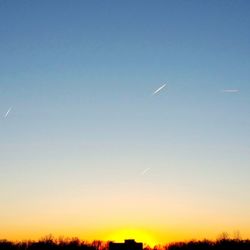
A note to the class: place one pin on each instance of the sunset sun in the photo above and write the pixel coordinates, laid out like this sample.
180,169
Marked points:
139,235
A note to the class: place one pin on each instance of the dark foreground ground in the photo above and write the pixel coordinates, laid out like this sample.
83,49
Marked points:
76,244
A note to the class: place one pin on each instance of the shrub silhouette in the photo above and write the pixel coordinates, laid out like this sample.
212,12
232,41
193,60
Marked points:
49,243
222,244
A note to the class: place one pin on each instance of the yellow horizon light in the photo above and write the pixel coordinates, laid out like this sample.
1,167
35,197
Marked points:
139,235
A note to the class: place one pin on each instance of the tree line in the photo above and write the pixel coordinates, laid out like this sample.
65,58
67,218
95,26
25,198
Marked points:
50,243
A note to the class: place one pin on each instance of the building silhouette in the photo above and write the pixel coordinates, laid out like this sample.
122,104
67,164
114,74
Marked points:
127,245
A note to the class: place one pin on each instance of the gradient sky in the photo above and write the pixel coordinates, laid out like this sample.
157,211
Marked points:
84,125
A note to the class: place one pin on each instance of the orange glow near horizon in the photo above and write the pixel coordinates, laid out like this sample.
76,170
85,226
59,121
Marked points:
147,237
150,233
144,235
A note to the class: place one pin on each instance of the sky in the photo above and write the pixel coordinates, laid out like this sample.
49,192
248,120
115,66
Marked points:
87,149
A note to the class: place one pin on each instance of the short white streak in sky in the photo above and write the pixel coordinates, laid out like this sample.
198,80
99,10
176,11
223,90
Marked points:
159,89
230,90
7,113
145,171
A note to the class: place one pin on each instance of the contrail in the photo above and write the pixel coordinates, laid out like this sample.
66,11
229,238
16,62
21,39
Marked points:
230,90
159,89
7,113
145,171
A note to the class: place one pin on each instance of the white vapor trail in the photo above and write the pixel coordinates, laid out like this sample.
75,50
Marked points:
159,89
145,171
7,113
230,90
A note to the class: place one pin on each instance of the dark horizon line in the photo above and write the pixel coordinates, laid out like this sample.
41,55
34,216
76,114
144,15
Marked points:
67,240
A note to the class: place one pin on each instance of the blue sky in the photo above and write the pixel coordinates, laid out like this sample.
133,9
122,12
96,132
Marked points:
79,76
